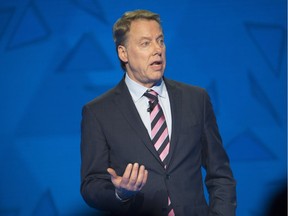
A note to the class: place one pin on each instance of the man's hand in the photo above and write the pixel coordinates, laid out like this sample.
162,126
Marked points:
132,181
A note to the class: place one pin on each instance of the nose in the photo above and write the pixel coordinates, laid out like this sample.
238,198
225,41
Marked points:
158,48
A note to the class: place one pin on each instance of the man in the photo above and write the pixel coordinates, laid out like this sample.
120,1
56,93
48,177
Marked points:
144,142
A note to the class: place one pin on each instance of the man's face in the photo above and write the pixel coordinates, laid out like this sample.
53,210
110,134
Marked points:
144,52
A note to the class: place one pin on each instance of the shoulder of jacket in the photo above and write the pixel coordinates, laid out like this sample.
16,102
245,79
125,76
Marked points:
184,86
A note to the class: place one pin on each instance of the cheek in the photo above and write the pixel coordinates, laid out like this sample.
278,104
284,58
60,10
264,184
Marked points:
164,54
139,58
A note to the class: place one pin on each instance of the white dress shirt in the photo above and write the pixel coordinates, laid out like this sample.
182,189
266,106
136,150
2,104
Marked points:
142,103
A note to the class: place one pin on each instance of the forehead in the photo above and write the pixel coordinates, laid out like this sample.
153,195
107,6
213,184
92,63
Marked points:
145,28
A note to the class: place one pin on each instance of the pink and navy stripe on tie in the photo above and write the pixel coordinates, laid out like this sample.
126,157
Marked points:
159,133
159,130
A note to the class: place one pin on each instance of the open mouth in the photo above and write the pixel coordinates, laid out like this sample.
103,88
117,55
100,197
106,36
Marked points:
156,63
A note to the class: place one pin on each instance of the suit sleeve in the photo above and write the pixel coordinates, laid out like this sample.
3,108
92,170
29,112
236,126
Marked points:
219,179
96,187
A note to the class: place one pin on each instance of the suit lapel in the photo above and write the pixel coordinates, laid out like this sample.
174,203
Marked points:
124,102
175,98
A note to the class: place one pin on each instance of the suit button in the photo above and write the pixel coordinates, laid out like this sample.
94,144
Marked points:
167,176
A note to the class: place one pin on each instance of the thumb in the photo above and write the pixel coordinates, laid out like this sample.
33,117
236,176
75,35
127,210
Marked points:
112,173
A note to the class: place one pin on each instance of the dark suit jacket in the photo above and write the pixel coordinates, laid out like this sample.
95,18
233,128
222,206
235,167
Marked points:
113,135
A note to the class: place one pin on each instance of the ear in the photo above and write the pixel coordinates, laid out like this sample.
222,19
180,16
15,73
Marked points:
122,53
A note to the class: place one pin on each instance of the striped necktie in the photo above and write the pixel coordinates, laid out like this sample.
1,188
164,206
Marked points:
159,132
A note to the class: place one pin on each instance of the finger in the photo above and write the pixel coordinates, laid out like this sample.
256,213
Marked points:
142,177
145,178
126,175
134,175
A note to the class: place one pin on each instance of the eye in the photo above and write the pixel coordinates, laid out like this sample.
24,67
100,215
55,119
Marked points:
145,43
161,41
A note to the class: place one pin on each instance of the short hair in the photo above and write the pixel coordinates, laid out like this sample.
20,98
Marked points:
123,24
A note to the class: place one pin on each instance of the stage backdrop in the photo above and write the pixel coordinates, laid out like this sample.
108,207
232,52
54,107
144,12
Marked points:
56,55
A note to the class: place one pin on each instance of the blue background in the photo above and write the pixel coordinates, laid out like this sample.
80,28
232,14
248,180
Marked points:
56,55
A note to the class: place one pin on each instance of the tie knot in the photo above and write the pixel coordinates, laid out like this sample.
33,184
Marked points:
151,91
153,99
151,95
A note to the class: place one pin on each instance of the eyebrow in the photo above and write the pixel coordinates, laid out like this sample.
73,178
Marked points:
160,36
149,38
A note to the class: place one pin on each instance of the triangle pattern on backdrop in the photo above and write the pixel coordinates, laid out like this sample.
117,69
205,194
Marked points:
248,147
270,42
86,55
6,15
30,29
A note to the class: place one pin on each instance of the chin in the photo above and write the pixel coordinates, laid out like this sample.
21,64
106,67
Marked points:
157,77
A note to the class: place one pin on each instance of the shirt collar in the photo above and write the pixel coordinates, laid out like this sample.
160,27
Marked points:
136,90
